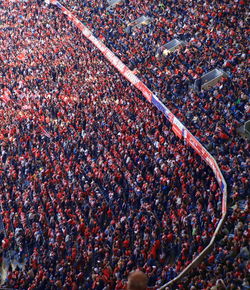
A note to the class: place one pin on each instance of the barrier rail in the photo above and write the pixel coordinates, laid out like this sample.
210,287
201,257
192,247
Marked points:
178,128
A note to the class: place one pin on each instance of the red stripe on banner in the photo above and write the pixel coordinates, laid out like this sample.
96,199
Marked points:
224,205
177,131
170,117
145,91
194,143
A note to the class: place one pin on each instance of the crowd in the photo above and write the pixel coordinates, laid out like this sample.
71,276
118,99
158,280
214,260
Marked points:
93,183
216,36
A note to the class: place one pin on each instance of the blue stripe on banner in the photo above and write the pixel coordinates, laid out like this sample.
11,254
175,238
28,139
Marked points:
59,5
160,106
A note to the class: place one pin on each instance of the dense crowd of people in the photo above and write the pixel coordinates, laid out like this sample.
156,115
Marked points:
215,36
93,183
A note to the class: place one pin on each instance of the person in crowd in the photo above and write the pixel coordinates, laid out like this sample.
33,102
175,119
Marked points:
137,280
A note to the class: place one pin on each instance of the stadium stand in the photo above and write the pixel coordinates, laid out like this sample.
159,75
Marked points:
93,182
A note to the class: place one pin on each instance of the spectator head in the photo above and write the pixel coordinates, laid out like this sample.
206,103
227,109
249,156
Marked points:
220,284
137,280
